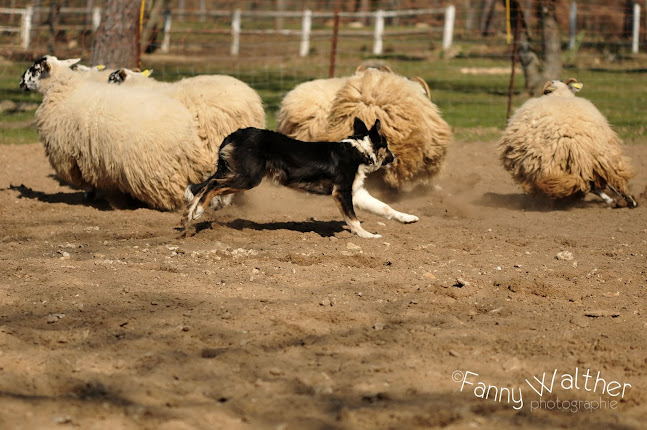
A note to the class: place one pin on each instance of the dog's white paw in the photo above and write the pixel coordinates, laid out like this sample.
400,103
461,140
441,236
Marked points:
367,235
199,210
407,218
188,194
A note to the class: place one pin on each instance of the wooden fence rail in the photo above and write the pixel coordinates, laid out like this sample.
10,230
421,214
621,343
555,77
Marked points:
305,33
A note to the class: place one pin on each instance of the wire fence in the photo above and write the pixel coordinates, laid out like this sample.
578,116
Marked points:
285,28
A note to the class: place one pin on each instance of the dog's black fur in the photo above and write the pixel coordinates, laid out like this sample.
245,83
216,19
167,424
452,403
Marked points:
328,168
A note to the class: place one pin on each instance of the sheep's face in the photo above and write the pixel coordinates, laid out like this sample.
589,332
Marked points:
119,76
29,79
41,69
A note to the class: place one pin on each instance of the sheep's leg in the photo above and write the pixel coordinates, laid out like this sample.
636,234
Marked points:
630,201
344,200
598,192
363,200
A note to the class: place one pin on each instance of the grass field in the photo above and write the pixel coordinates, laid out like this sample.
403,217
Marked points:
473,104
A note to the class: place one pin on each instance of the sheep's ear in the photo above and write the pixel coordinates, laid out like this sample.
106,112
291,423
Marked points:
46,65
123,74
359,128
548,87
360,68
575,86
70,62
147,72
100,67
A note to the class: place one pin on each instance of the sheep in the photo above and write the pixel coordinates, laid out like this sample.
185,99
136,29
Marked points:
220,104
560,145
411,123
304,110
110,138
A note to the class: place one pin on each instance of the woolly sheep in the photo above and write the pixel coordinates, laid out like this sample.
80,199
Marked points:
116,139
560,145
304,110
220,104
411,123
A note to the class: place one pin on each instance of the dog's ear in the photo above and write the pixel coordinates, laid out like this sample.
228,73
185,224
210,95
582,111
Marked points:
377,126
359,128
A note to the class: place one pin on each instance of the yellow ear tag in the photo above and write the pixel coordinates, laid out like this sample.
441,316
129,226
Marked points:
577,85
146,73
101,67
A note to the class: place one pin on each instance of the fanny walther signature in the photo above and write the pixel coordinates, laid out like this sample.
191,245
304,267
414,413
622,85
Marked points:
549,381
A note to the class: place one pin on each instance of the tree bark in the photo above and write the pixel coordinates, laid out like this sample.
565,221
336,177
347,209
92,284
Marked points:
537,72
552,44
116,42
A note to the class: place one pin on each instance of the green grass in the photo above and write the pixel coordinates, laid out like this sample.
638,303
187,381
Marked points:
475,105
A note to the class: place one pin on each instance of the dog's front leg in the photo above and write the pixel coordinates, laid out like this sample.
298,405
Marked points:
363,200
344,200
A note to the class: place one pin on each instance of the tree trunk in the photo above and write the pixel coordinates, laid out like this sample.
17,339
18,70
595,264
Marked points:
552,44
527,57
116,42
486,17
537,72
153,24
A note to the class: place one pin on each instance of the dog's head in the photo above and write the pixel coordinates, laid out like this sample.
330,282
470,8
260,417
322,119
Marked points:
372,144
41,69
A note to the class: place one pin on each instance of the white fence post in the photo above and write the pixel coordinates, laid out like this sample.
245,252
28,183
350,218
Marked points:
235,33
96,18
379,32
25,27
572,25
448,29
305,33
166,41
636,33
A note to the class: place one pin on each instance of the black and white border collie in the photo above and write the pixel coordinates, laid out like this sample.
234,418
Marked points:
328,168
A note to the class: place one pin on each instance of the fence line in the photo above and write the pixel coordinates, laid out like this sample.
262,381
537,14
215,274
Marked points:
305,33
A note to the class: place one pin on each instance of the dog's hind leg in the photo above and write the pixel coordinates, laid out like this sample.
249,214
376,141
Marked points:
630,201
363,200
344,200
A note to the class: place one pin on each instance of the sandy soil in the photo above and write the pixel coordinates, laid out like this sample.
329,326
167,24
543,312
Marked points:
274,316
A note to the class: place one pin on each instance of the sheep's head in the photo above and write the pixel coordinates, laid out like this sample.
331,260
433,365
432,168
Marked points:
120,76
570,86
41,69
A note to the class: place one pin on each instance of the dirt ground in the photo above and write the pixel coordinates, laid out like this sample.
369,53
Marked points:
273,316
